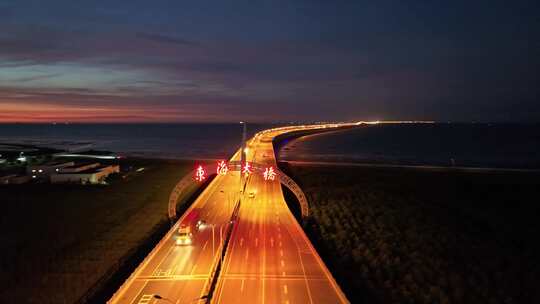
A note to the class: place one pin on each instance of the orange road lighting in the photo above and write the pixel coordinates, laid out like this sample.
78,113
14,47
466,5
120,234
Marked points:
269,174
247,169
200,174
222,168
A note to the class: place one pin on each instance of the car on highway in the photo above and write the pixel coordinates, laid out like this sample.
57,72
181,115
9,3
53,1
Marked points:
185,235
251,194
201,224
190,225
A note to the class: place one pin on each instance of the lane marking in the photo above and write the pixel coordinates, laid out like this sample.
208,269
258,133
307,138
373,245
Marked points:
158,268
204,247
251,277
193,269
174,277
242,286
145,299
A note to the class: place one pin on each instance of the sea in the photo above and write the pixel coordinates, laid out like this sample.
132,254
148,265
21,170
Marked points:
440,144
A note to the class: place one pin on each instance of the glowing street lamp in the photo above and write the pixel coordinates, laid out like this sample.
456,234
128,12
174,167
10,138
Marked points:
200,174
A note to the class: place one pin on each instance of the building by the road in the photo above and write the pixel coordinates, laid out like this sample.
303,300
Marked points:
43,171
85,173
14,179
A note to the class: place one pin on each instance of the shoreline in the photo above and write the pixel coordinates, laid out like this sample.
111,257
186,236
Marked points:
419,167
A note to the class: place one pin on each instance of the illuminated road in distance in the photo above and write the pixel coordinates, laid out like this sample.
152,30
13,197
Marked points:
269,259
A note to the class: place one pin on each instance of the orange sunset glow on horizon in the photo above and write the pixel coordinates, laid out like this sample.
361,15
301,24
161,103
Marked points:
48,113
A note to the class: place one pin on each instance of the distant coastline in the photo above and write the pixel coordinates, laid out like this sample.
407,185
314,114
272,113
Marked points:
510,146
439,144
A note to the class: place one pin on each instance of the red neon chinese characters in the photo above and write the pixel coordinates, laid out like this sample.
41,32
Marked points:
222,168
200,174
246,169
269,174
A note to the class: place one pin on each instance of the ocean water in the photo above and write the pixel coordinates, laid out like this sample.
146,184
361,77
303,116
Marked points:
478,145
470,145
192,141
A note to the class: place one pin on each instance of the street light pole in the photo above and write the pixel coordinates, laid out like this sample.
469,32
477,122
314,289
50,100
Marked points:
243,156
229,203
213,239
242,152
221,241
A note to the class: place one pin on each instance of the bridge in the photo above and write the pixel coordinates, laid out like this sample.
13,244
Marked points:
187,185
252,250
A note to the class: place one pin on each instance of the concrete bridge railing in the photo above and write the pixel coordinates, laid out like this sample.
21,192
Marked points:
288,182
184,186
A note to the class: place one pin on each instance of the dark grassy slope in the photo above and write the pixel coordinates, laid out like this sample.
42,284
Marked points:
418,236
58,240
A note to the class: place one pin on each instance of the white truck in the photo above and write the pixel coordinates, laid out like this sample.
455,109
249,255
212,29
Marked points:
189,226
185,235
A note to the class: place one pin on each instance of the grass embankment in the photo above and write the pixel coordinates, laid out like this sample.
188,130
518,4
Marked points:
59,240
393,235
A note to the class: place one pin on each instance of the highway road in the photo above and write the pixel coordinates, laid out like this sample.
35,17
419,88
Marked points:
180,273
269,258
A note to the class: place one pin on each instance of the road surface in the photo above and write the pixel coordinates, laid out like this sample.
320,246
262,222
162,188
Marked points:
269,258
181,273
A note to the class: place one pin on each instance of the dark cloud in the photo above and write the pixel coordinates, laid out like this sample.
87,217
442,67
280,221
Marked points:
166,39
37,77
334,60
15,64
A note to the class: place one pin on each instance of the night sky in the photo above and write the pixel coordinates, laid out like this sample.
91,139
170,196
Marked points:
215,61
